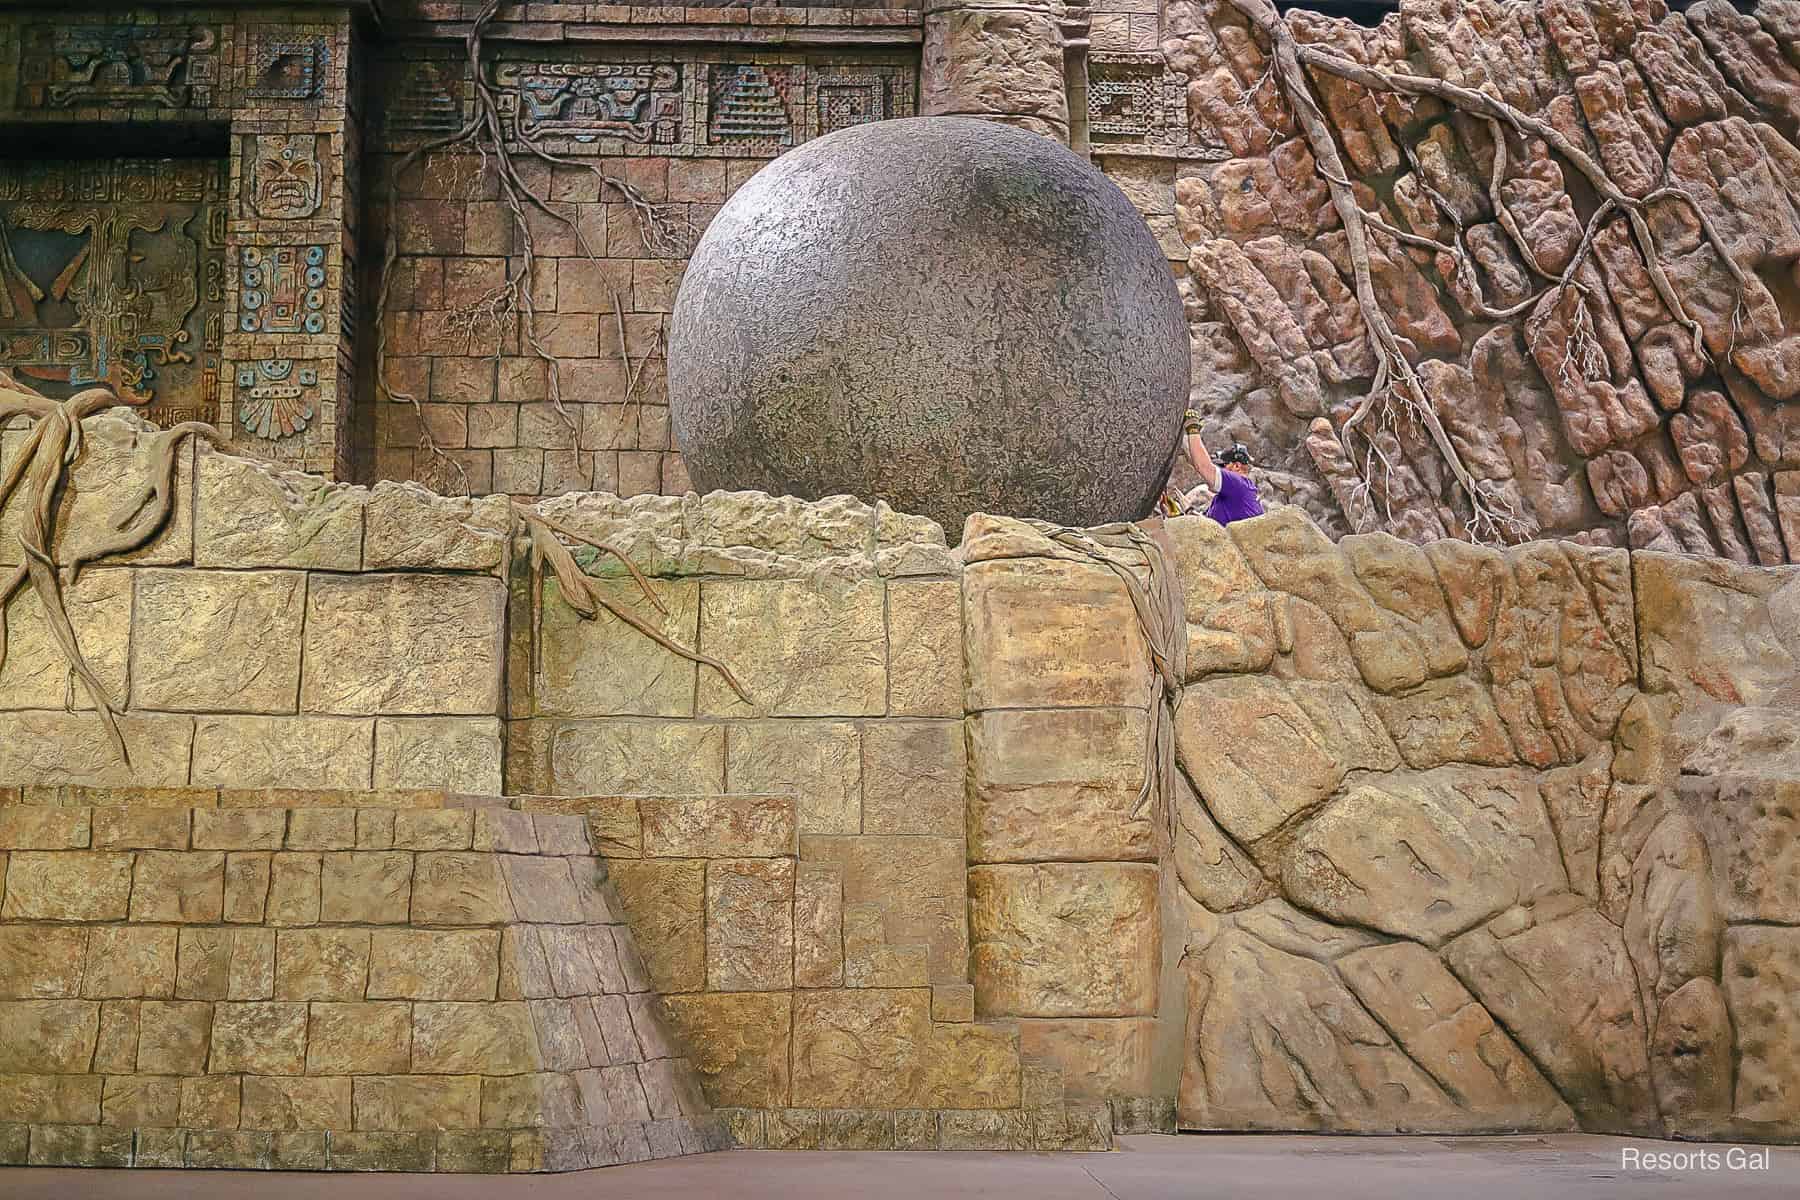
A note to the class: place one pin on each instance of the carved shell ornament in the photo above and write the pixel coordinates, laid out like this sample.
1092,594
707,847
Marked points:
275,396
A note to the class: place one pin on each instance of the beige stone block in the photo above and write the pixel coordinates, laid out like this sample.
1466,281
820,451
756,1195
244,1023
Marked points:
1044,633
293,889
41,962
457,754
321,964
925,651
433,829
560,1047
203,963
173,1036
475,1152
453,888
365,887
48,1037
869,961
280,1102
115,1053
252,971
739,1044
282,752
403,644
919,884
535,1100
642,678
128,827
456,1039
80,1146
43,827
410,527
178,885
140,1100
878,1048
298,1150
913,778
36,674
819,763
64,748
246,886
613,1015
258,1038
212,640
388,1151
666,758
1051,784
221,1150
1446,721
417,1102
749,924
211,1102
63,886
542,889
664,902
250,515
1065,939
239,828
1097,1058
374,829
160,1148
717,826
802,648
818,925
792,1129
504,831
355,1037
322,829
124,962
421,964
954,1002
559,833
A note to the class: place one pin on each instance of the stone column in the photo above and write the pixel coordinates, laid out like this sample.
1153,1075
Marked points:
998,61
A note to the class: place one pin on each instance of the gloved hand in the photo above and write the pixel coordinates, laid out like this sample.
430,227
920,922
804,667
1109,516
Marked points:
1190,421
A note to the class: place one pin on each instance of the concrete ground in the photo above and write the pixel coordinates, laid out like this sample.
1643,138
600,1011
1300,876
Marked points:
1570,1167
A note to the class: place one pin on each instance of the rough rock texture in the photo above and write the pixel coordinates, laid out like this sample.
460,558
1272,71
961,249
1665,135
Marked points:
987,326
1594,412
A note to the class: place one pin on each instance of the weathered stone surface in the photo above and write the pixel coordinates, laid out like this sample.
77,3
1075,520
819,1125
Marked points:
818,925
1762,981
1425,856
1058,784
258,1038
48,1036
1075,940
1672,920
1690,1060
1048,633
1097,1057
909,364
249,515
176,885
410,527
321,964
345,1038
223,640
451,888
1229,729
39,962
293,1102
665,902
819,763
876,1047
282,752
997,65
657,758
1677,595
641,678
739,1042
457,754
456,1038
60,747
36,674
918,885
749,924
1749,825
403,644
925,648
1558,976
175,1037
913,778
1763,742
802,648
67,887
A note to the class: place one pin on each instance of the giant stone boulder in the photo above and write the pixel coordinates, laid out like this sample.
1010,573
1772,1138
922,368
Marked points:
947,314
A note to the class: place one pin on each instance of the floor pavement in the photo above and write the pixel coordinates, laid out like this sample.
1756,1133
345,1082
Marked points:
1192,1167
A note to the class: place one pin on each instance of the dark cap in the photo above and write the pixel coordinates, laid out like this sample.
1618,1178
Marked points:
1239,453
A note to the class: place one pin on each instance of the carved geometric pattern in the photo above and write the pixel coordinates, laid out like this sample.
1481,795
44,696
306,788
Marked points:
427,99
104,66
283,289
276,397
288,68
846,100
1125,97
584,102
749,106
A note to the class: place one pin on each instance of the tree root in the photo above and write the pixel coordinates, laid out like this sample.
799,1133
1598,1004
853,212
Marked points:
43,468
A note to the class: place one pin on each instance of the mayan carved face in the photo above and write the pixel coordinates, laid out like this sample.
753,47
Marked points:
286,179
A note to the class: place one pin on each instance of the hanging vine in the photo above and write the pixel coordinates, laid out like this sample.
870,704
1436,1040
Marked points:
512,305
1397,384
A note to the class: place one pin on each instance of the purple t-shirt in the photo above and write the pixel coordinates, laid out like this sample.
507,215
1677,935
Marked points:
1235,500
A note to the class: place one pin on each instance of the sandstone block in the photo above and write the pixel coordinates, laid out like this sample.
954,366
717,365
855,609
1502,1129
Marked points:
417,1102
115,1053
43,827
403,644
919,884
717,826
174,1037
953,1002
209,641
996,63
127,827
802,648
925,652
739,1044
203,963
140,1100
457,754
559,1033
451,888
80,1146
374,829
877,1048
60,748
1051,784
222,1150
252,971
666,758
1762,984
749,924
818,925
504,831
1227,731
281,1102
1446,721
456,1039
1044,633
211,1102
818,763
386,1151
36,675
913,778
580,962
293,889
421,964
248,515
41,962
350,1038
258,1038
322,829
1064,939
642,678
365,887
51,886
321,964
128,962
282,752
239,828
542,889
433,829
1096,1057
48,1037
178,885
246,886
1677,595
665,902
408,527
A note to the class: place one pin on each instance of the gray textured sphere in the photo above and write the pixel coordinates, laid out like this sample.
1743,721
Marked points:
948,314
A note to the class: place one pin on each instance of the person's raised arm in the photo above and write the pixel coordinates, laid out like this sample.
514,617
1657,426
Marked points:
1196,450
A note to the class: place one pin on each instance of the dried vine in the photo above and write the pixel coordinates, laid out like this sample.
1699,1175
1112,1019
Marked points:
1396,381
42,469
512,305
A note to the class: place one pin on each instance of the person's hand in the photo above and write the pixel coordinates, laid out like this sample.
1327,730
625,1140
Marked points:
1190,421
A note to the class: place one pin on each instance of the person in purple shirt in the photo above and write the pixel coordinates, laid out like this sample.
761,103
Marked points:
1233,491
